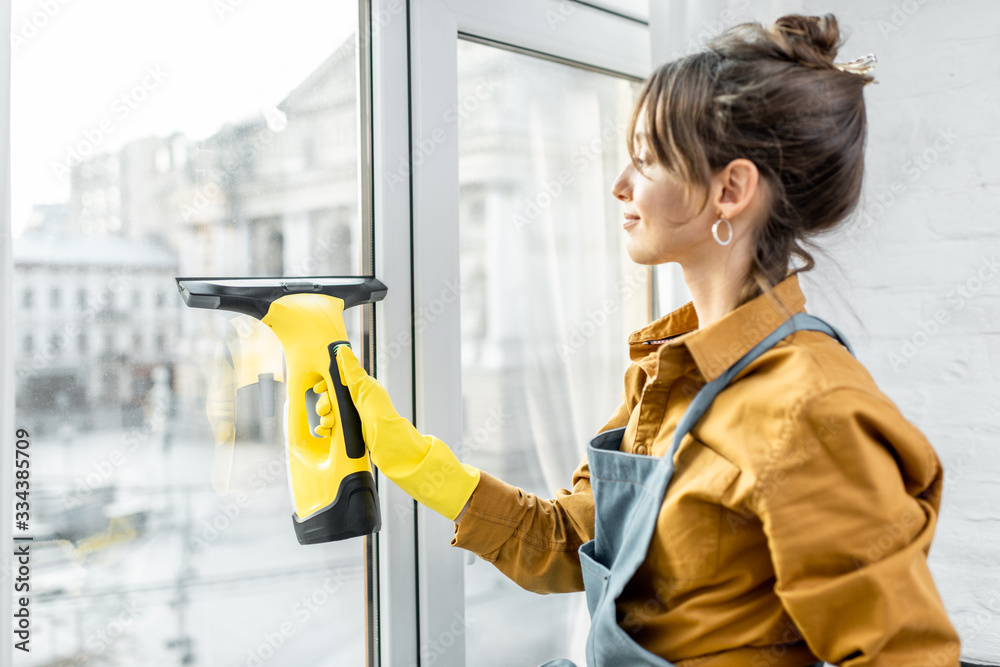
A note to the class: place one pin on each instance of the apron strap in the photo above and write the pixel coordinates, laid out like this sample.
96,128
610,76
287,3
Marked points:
703,399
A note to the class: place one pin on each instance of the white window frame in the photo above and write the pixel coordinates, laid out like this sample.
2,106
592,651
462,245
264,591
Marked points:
417,257
396,630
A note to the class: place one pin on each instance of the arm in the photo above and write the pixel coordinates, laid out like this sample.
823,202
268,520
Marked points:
421,465
849,504
619,418
534,541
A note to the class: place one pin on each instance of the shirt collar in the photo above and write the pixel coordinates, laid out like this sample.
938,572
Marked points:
721,344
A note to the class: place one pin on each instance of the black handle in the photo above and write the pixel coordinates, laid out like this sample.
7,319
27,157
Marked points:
350,420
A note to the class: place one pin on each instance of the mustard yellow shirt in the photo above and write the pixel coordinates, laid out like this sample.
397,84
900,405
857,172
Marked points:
796,526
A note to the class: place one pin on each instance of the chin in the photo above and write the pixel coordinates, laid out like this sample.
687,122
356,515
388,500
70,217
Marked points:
642,255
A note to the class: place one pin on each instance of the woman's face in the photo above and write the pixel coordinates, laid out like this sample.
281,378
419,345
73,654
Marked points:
662,225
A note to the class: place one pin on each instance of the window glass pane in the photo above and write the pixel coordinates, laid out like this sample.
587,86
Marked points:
549,297
154,140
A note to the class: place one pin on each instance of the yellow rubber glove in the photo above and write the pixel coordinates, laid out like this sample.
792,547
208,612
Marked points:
421,465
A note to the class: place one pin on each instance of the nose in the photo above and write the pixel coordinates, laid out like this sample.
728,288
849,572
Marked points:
622,187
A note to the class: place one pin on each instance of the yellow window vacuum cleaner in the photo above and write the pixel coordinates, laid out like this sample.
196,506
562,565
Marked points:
333,490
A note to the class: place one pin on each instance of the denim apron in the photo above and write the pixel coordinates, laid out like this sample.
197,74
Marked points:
628,493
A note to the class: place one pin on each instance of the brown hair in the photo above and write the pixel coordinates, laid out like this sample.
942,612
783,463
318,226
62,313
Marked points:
773,96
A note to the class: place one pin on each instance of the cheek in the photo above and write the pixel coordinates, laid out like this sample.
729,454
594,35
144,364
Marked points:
664,201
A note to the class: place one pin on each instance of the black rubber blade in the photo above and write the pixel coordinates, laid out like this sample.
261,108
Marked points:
253,296
353,513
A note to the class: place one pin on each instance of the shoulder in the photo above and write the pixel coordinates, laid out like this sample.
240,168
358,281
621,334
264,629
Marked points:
808,399
804,373
807,364
762,402
852,429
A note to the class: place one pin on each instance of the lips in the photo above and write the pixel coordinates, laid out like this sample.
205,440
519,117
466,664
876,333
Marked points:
630,221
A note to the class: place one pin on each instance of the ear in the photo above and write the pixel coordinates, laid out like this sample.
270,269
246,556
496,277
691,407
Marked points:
737,187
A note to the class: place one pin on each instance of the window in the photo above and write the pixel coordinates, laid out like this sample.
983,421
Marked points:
473,141
549,296
190,148
235,151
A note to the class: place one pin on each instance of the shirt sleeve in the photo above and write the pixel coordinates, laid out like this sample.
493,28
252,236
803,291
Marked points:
534,541
849,504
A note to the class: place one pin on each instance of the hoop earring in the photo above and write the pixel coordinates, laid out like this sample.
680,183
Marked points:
715,231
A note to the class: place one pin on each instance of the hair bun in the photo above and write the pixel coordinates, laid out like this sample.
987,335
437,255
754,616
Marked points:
812,41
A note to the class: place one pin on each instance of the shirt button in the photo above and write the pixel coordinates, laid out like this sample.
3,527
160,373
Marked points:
640,449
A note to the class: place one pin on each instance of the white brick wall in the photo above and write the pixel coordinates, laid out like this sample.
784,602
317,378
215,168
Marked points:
917,243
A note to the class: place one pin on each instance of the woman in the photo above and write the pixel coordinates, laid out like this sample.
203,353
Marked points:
758,500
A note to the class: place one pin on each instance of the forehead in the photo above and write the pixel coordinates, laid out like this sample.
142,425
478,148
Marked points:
639,130
640,119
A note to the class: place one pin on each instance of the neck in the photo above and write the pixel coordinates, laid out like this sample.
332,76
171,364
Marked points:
716,281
